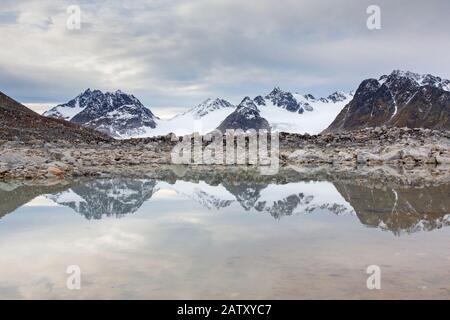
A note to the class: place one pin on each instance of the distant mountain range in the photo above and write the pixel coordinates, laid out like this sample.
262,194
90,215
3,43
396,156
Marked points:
122,115
402,99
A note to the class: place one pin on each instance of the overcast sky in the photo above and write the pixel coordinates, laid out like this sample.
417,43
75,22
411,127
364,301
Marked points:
173,54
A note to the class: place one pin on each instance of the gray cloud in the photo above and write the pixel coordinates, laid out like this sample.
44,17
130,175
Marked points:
176,53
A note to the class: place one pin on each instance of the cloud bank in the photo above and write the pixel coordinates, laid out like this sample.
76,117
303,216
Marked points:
177,53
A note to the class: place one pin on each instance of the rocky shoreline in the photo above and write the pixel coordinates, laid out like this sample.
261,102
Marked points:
399,147
372,146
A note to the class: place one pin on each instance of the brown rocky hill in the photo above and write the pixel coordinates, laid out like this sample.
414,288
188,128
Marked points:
401,99
17,122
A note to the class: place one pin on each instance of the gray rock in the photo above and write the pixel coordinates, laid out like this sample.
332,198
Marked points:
441,159
12,159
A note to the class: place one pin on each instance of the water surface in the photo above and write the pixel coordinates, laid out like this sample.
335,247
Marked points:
223,236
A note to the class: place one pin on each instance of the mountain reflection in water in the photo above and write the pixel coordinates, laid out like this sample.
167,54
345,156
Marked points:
399,209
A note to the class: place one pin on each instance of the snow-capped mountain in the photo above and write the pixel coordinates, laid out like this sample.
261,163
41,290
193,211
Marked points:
246,116
419,79
202,118
401,99
284,111
123,116
296,113
337,96
208,106
284,100
116,113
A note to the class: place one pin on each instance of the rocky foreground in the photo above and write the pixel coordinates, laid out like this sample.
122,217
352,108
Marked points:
400,147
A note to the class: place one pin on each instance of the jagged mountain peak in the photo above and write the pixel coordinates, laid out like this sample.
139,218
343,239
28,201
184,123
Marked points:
248,109
247,103
116,113
414,79
309,97
338,96
285,100
260,101
90,94
208,106
246,116
408,74
275,91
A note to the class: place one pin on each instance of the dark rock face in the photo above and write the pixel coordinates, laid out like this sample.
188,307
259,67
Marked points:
17,122
428,108
336,97
114,113
309,97
259,100
245,117
284,100
401,99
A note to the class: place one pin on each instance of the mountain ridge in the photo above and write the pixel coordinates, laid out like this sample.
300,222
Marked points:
400,99
116,113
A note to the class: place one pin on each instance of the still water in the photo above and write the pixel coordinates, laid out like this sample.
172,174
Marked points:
223,236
